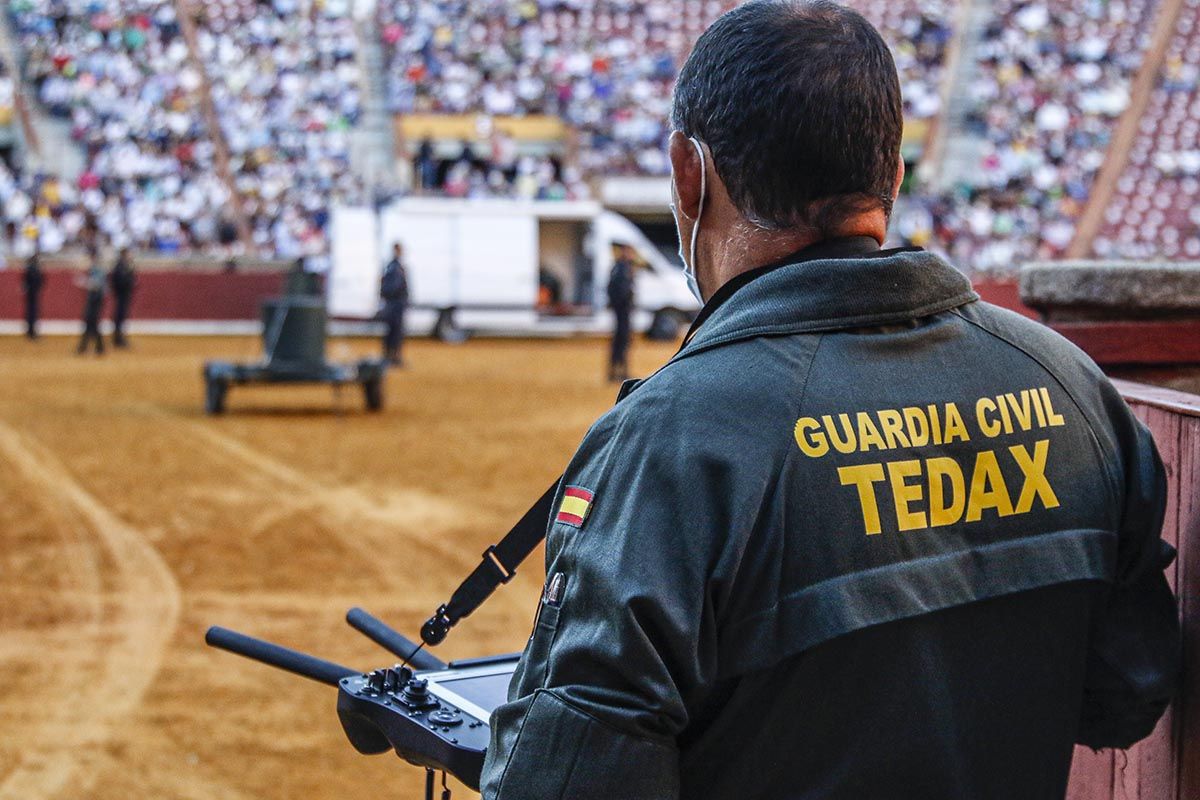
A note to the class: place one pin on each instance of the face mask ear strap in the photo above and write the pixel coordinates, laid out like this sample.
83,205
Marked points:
703,175
700,208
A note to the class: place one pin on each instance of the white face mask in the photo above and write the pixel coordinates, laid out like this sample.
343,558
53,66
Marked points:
689,258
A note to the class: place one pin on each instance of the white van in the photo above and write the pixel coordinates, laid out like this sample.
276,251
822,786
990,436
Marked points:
502,266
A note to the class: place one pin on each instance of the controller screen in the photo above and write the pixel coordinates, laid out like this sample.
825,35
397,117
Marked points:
485,691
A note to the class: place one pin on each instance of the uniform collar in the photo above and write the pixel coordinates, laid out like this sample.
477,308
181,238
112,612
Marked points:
845,247
838,284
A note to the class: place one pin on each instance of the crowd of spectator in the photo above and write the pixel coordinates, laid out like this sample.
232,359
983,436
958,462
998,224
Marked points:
1153,211
8,114
118,71
606,67
258,171
498,169
286,85
1054,79
285,88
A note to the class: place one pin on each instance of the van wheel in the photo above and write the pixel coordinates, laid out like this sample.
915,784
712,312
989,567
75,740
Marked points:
666,326
373,392
214,395
445,329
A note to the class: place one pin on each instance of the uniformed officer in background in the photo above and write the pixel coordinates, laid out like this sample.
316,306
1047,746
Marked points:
123,280
864,536
394,291
620,300
33,280
92,284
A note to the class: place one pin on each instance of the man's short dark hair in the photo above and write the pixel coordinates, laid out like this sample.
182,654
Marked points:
799,102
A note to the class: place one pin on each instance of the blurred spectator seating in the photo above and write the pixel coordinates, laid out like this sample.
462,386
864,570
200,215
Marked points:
287,88
1155,210
606,67
1056,78
119,71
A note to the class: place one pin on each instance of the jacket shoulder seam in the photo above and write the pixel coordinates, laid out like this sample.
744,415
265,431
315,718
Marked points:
789,453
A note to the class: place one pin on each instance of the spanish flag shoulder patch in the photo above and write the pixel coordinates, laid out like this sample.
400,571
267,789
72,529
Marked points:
576,504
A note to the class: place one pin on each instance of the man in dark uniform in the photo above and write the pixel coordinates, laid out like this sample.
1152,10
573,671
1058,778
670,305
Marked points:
394,291
123,280
864,536
92,284
33,280
620,300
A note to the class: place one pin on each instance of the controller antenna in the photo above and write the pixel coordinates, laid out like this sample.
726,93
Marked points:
391,640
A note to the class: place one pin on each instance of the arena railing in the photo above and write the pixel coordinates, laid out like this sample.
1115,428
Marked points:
1166,765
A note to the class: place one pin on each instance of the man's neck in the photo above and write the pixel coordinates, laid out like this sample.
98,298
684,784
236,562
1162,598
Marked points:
750,247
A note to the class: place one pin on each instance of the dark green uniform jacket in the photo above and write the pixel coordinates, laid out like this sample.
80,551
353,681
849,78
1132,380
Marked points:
863,537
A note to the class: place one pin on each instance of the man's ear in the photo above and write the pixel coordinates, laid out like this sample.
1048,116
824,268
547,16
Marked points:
685,167
899,178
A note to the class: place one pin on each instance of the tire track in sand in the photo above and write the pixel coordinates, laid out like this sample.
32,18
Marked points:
344,507
118,651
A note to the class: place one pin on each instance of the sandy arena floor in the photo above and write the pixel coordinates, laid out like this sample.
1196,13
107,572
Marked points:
130,522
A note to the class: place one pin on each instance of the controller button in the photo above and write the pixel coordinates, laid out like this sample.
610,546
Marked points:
445,716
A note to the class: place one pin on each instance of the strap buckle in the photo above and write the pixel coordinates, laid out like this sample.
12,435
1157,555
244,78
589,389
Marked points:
491,557
434,631
492,570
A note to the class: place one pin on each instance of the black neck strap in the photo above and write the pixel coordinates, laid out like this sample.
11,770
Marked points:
499,564
500,561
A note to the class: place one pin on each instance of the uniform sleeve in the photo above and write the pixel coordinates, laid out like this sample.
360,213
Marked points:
1135,653
610,672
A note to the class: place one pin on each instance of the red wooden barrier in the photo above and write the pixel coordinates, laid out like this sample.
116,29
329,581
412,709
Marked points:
1166,766
161,295
1135,342
189,293
1003,292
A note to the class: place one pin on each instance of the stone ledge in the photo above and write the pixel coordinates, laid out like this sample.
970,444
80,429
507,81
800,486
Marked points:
1112,289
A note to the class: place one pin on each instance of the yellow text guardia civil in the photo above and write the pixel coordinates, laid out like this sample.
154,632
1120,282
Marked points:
939,491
